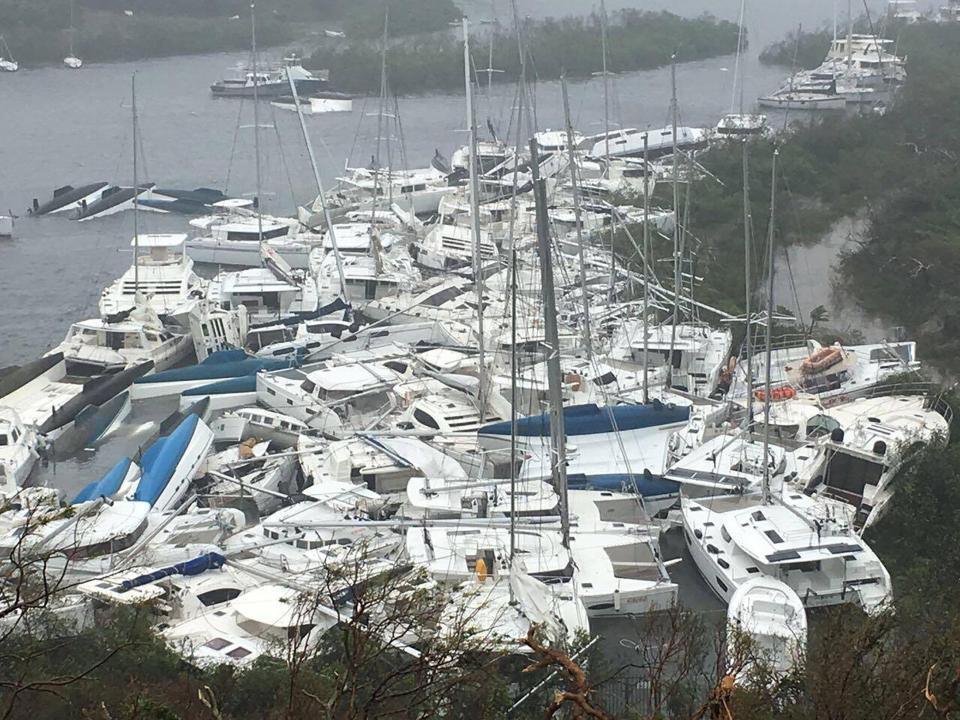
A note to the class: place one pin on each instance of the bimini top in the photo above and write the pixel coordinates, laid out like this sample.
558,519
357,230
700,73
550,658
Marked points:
592,419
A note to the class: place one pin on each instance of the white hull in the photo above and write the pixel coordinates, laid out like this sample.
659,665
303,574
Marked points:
88,200
6,226
119,207
73,63
244,253
221,401
148,391
9,65
327,105
827,102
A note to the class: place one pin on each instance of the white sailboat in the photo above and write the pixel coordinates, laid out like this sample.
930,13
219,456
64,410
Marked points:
7,63
766,631
71,60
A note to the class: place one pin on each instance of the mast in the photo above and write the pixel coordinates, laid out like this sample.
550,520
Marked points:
256,118
766,377
747,281
676,219
646,264
606,86
558,436
577,211
736,65
136,204
521,97
849,36
475,213
71,28
320,193
383,100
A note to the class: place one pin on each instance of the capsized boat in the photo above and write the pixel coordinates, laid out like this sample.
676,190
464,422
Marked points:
69,197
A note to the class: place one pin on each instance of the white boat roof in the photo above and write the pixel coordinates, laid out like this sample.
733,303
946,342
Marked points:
254,280
353,378
160,240
775,534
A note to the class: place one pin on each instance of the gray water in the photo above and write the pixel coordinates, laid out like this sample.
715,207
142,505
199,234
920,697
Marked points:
71,127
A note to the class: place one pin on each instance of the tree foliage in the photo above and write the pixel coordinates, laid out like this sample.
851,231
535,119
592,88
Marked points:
637,40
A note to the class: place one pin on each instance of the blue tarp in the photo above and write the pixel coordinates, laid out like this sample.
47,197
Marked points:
592,420
161,459
107,486
645,484
246,383
190,567
219,370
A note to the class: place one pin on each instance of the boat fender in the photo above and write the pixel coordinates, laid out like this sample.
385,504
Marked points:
481,570
616,600
836,435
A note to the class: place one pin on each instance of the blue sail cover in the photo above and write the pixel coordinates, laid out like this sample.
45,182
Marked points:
107,486
222,356
645,484
246,383
593,420
209,561
220,370
161,459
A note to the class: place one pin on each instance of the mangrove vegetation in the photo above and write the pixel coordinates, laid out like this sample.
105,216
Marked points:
636,40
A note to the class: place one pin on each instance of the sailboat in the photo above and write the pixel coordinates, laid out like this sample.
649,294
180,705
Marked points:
71,60
738,123
808,543
7,63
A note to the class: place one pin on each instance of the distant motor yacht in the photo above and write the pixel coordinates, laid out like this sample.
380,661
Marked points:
271,82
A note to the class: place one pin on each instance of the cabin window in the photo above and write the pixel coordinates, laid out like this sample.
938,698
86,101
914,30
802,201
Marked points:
774,536
724,534
220,595
758,516
152,337
723,563
425,419
396,366
308,386
605,379
721,584
713,549
753,570
3,440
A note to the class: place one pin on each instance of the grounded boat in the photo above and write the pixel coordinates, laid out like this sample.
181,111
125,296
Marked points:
766,631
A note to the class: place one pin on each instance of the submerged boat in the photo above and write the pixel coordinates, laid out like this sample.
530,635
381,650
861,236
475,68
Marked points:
316,103
69,198
112,200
